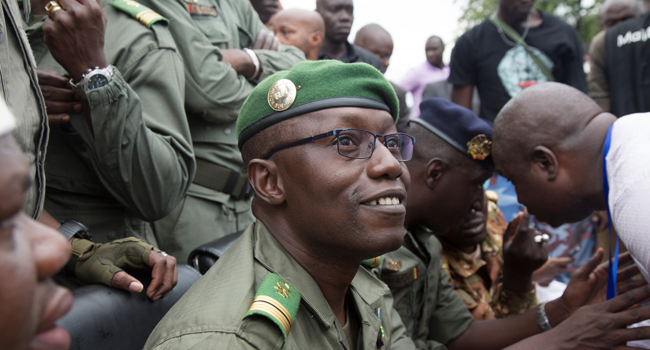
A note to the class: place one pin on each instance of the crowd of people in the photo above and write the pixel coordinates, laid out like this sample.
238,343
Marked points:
136,133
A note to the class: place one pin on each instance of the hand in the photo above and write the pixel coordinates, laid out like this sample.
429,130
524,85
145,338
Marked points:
60,100
266,40
550,270
240,61
604,325
164,277
521,254
588,285
104,263
75,36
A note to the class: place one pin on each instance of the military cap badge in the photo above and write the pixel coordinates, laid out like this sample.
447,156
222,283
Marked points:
479,147
282,94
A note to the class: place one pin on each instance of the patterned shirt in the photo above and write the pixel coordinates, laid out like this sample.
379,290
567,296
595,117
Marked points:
479,282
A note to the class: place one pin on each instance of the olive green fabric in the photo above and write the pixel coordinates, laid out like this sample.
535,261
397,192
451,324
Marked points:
137,163
140,12
320,85
23,96
214,93
209,316
431,310
98,263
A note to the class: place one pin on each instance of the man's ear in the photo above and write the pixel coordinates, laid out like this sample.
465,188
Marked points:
264,178
435,169
315,40
545,160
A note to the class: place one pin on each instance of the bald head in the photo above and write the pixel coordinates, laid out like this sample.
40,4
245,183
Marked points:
377,40
614,12
302,29
548,141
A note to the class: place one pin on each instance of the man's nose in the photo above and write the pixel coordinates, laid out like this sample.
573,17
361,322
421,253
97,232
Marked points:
383,163
50,249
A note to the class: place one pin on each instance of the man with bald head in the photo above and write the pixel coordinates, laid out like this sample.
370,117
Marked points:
430,71
302,29
618,80
338,16
377,40
569,158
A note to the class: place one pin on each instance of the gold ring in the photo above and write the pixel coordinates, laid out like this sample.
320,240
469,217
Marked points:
51,7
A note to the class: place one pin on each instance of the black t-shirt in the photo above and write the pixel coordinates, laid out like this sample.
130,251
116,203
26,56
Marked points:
355,54
499,71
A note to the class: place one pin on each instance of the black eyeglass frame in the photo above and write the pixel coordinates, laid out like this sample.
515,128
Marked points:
336,132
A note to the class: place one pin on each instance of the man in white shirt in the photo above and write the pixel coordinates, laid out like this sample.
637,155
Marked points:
550,142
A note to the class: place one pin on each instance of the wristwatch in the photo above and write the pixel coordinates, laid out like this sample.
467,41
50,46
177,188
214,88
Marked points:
74,229
93,79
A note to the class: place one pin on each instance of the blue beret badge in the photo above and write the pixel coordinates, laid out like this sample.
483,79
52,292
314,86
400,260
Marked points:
479,147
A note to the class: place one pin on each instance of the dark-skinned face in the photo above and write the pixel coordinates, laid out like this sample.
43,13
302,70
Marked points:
265,8
292,33
338,16
434,50
471,229
552,202
517,10
328,196
383,49
30,254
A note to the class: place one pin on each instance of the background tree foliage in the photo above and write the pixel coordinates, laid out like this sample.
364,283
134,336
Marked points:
581,14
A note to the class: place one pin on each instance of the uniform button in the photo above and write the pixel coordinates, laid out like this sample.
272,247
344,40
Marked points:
94,96
39,156
227,131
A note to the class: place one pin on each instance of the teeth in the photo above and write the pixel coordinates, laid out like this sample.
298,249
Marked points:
385,201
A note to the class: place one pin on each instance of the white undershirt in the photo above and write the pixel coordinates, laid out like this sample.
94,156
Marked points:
628,174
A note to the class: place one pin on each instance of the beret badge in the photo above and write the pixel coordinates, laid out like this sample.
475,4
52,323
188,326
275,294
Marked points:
479,147
282,94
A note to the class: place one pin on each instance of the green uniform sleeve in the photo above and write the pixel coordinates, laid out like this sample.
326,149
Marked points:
203,341
140,140
214,90
597,78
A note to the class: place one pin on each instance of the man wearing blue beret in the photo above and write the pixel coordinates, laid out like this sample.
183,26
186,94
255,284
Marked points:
451,161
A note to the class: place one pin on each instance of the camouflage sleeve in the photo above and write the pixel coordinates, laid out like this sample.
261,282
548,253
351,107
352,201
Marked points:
510,303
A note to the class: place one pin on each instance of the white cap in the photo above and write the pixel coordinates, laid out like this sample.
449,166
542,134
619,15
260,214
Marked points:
7,120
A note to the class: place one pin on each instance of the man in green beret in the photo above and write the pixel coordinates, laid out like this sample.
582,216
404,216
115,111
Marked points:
327,166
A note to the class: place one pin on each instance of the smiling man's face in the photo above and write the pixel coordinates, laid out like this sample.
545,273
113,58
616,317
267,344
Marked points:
331,198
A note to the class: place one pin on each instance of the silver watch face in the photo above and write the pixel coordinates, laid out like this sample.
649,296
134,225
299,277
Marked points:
96,81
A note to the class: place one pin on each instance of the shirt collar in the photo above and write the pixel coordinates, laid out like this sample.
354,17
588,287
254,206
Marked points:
350,54
276,259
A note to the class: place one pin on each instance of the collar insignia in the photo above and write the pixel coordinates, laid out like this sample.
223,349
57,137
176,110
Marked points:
282,94
394,265
479,147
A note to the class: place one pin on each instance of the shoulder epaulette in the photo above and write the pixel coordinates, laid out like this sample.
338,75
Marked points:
140,12
276,300
372,263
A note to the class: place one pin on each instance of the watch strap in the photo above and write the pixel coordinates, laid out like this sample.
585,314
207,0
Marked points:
72,228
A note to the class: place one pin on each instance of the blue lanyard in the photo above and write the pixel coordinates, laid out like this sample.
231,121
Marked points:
613,268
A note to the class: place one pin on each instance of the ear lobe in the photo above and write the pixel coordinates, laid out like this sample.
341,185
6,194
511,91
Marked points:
315,39
434,171
545,160
263,177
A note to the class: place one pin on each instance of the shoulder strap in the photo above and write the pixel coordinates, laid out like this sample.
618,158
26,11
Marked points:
514,36
140,12
276,300
372,263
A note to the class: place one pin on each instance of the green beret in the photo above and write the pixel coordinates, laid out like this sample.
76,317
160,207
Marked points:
311,86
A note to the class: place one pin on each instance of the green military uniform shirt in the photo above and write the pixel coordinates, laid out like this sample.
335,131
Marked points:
213,96
479,282
138,163
23,96
432,312
209,316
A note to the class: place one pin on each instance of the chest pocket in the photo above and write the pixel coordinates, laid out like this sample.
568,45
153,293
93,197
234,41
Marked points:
211,23
246,38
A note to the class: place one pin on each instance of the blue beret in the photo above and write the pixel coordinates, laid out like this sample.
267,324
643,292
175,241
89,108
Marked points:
459,127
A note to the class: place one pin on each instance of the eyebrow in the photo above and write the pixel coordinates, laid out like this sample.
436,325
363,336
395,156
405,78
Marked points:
356,120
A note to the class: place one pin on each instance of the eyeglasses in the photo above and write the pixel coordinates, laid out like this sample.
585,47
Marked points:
360,144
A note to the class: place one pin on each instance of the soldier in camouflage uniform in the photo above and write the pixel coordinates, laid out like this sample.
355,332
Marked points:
477,277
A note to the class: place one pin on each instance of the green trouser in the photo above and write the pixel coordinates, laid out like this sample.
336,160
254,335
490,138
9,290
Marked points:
196,221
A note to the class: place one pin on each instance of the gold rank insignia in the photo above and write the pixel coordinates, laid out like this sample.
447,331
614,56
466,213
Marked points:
394,265
283,289
479,147
282,94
